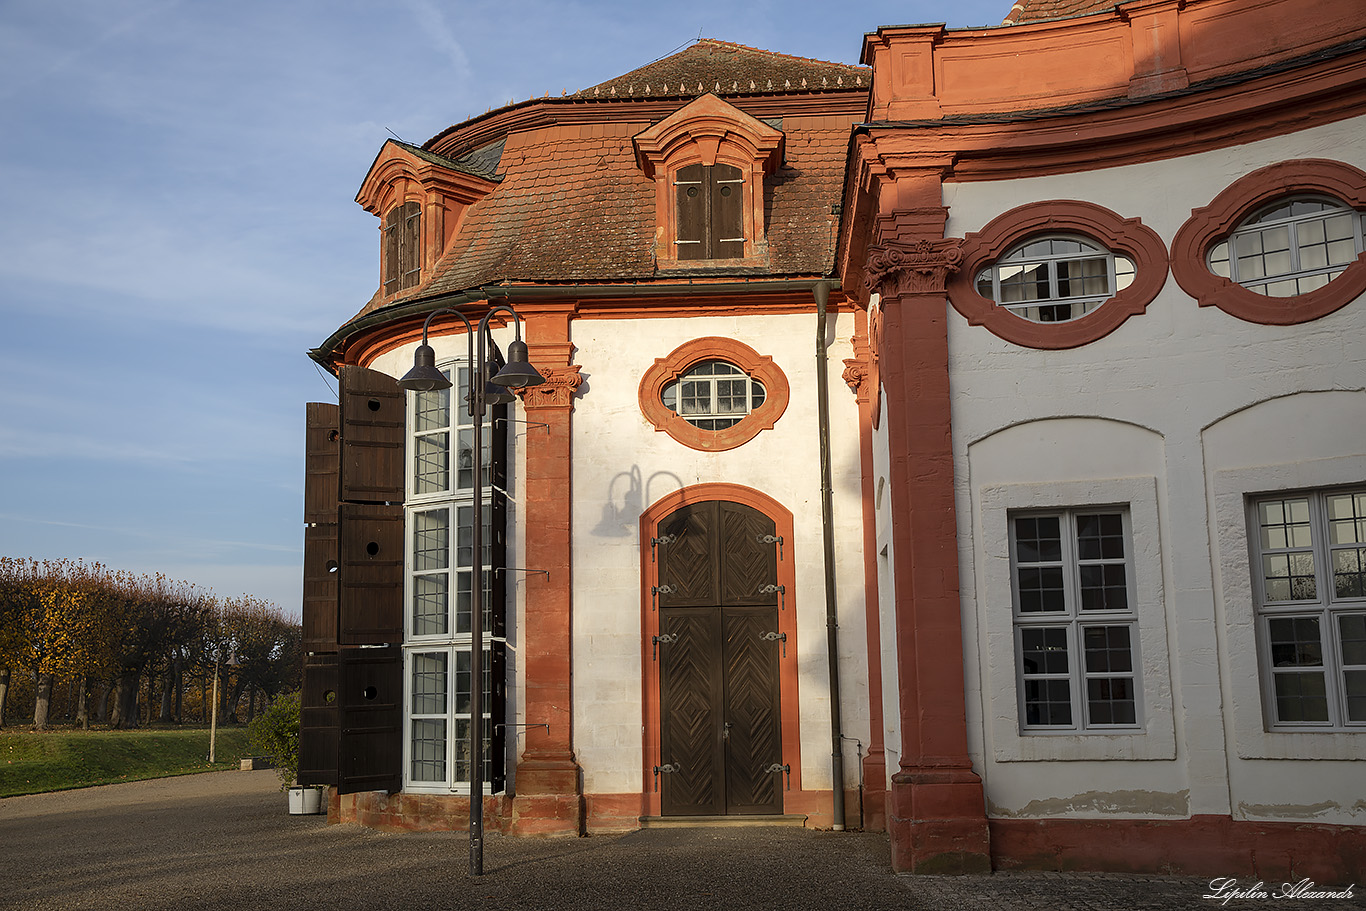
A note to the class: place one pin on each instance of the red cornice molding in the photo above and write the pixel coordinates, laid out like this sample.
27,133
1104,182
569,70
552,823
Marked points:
668,369
1214,222
1127,236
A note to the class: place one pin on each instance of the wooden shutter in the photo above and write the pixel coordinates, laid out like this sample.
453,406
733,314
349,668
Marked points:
372,419
727,222
322,452
321,456
392,241
371,574
691,193
319,721
410,246
497,771
371,706
321,569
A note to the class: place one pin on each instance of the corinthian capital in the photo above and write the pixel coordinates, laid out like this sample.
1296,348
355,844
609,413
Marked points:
921,267
556,392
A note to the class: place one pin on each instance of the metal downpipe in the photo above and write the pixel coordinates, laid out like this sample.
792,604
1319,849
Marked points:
822,293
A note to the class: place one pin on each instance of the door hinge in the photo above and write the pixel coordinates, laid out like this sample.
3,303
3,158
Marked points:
776,637
660,542
667,769
782,594
657,590
666,638
785,769
772,539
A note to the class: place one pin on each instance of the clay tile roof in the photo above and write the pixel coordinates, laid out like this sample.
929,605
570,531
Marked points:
1036,10
724,68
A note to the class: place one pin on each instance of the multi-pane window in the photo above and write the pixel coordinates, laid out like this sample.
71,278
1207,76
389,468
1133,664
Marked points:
439,715
402,247
1291,247
710,212
1311,592
1076,629
713,395
441,555
1055,279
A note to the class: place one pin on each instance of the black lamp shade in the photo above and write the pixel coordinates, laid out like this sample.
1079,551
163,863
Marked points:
518,371
424,377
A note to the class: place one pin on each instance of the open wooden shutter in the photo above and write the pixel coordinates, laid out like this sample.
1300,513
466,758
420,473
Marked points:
320,721
321,455
371,706
372,412
498,667
393,232
410,256
371,574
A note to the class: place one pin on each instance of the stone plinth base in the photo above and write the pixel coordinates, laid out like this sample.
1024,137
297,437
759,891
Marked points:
938,822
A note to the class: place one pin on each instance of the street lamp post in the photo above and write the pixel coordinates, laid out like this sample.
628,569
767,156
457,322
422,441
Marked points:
424,377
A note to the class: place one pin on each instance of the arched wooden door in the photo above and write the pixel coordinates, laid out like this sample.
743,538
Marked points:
718,653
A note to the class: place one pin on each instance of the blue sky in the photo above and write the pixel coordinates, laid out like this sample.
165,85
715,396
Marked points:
178,183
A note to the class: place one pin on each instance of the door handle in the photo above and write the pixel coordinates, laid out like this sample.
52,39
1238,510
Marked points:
725,730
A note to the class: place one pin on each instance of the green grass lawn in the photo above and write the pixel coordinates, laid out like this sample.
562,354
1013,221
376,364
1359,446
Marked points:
32,762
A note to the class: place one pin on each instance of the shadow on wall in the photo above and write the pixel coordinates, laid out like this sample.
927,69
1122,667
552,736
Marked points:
632,491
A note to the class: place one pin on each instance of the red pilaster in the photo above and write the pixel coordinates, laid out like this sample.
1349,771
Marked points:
937,818
549,796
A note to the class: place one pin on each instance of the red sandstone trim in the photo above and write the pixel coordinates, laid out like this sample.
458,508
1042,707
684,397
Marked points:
668,369
1202,845
1215,222
1129,237
787,623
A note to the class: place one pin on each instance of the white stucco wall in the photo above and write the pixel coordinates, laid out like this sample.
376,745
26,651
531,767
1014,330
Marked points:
1181,413
622,465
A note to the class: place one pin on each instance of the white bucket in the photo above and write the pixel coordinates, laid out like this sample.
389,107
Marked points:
305,801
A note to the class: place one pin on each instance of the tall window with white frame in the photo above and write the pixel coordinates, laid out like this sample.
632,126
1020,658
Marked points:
1076,625
1310,584
441,554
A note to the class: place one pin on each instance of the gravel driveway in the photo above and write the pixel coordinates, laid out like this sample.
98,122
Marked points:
224,840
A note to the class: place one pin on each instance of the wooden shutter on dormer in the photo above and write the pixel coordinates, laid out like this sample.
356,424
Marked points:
690,192
410,254
391,242
372,419
727,191
370,697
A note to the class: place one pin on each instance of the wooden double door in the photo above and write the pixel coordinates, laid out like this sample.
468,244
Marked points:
718,653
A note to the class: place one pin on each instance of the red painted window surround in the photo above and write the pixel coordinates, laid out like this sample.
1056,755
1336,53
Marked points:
1128,237
666,370
1212,223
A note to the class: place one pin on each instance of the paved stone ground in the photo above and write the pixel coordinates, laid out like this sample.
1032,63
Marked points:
224,840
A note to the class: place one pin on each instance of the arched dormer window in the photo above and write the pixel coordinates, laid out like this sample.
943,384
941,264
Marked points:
708,160
420,198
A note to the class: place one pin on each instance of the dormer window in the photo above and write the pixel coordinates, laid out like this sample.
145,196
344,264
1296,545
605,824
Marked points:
402,247
711,214
708,160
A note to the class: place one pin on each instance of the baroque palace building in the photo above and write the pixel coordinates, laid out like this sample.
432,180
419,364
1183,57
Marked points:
969,444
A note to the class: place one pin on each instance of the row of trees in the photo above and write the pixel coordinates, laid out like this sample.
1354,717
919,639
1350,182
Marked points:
135,642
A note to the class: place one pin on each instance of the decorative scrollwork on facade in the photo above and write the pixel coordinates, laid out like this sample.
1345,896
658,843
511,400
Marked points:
558,391
923,267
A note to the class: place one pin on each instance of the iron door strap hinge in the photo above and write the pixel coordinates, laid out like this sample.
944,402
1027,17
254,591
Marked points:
772,539
785,769
657,590
666,638
776,637
780,589
667,769
660,542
